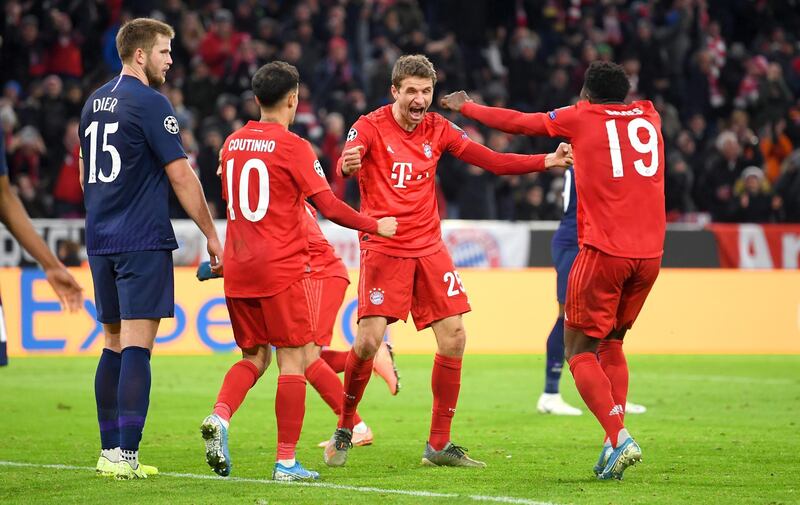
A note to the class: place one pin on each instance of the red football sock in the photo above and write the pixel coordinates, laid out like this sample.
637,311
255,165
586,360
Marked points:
615,366
356,376
290,407
328,385
445,384
238,381
335,359
595,389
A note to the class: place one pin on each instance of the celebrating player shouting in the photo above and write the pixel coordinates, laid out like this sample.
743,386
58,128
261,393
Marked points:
619,175
395,150
267,172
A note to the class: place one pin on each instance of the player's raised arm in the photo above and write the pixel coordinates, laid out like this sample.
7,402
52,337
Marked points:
505,120
355,148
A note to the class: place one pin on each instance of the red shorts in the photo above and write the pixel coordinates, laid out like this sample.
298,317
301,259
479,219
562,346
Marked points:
332,290
429,287
287,319
607,292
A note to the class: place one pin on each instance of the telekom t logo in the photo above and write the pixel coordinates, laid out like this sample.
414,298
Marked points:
401,172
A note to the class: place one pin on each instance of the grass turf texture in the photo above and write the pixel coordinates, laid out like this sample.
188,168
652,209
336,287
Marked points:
719,429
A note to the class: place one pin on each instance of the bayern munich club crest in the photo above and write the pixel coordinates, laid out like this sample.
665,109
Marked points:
376,296
426,148
473,248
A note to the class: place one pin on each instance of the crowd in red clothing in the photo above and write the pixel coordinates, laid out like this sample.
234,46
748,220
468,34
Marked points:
724,75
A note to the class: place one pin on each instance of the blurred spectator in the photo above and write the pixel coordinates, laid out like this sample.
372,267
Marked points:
220,44
715,187
678,188
64,55
207,163
753,197
787,189
534,205
27,150
67,192
775,147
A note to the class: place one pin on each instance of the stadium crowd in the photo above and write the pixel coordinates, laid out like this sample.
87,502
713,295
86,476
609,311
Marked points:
724,75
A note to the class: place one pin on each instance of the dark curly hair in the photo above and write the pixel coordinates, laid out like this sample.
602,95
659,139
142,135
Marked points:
606,82
273,81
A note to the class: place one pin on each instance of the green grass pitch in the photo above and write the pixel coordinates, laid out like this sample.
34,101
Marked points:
719,430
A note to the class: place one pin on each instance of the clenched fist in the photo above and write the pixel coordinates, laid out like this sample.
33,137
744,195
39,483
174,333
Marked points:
387,226
351,160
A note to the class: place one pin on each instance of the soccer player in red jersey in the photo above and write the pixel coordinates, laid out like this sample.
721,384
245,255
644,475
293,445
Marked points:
394,150
267,172
619,175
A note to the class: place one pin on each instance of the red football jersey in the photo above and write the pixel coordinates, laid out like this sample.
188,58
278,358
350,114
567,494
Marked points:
267,172
619,175
397,178
324,260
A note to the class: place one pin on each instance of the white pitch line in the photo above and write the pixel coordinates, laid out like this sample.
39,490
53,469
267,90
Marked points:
325,485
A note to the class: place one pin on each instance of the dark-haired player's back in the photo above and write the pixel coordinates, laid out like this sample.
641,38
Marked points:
619,158
267,172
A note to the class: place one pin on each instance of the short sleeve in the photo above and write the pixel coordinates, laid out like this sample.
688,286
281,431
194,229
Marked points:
307,170
563,122
3,164
453,139
162,131
360,134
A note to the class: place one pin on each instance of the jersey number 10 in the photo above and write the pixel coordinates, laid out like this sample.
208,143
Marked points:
651,147
244,190
94,173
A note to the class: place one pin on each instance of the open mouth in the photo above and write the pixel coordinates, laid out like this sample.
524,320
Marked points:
416,113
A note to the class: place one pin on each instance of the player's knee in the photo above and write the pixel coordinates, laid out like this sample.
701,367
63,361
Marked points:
367,346
369,337
260,357
454,342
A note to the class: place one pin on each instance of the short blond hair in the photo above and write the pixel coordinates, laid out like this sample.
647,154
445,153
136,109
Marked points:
412,65
140,33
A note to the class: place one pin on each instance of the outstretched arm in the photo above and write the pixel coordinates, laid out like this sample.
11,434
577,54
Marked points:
343,215
14,216
506,120
513,164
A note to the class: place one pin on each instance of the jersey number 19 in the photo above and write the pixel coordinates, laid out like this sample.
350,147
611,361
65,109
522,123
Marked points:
651,147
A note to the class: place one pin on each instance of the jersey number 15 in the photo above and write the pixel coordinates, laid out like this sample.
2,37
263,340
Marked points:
94,173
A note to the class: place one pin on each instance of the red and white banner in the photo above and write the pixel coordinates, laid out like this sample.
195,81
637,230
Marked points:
758,245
